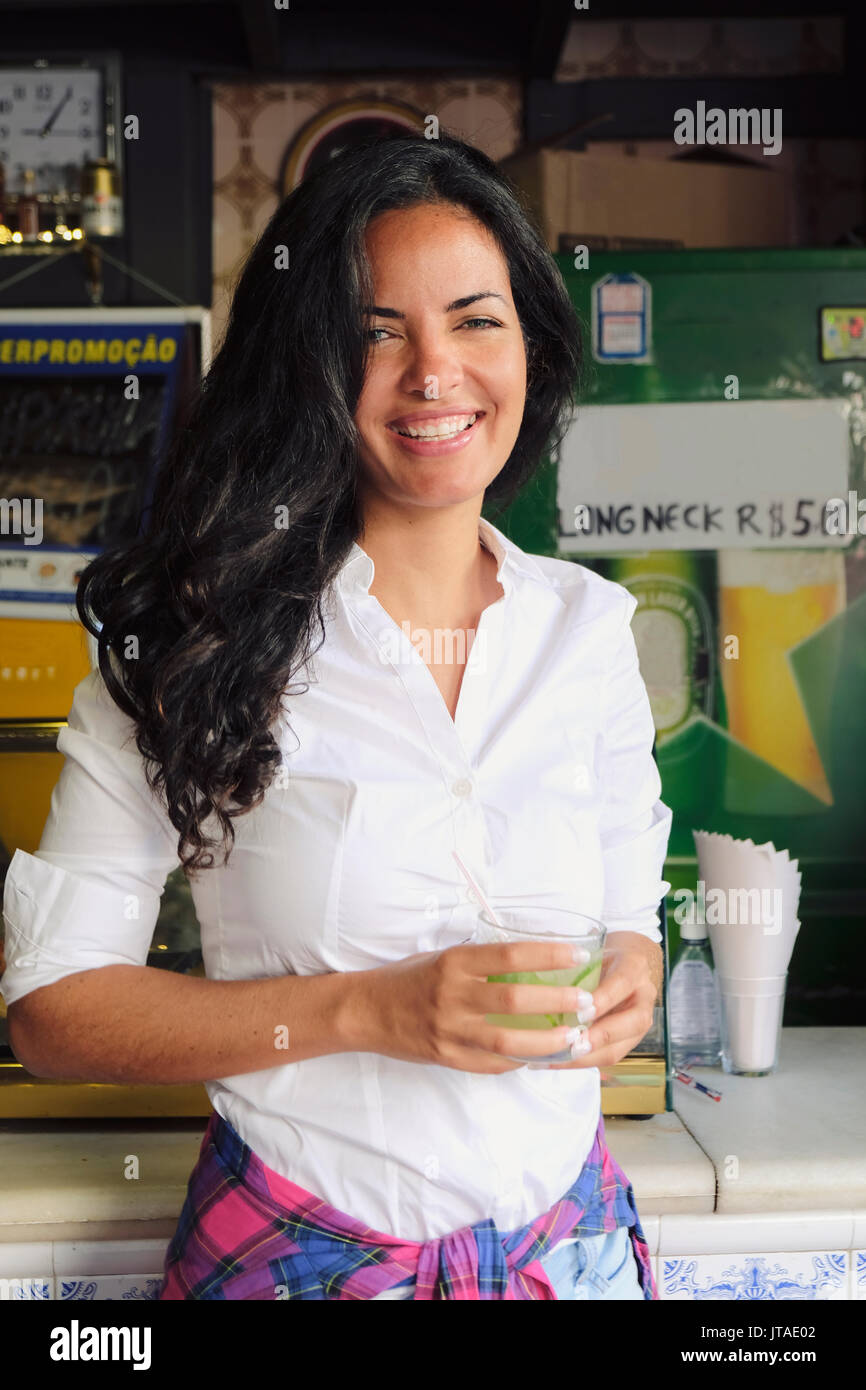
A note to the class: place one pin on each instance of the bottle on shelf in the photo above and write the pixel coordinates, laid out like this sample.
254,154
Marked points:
101,204
28,209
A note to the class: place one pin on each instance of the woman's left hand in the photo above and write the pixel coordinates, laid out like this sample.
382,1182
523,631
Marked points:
624,1000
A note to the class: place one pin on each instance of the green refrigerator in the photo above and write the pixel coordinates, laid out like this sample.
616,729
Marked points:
716,466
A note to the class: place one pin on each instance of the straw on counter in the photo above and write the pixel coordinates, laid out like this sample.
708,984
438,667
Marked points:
688,1080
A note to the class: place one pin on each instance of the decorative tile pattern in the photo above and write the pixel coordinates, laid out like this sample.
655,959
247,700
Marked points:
700,48
255,123
26,1287
786,1276
77,1289
797,1275
106,1288
115,1269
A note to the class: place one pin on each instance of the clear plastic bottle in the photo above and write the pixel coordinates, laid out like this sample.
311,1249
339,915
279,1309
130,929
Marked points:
695,1005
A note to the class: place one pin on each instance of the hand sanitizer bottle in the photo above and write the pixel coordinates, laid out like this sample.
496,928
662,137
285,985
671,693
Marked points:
695,1005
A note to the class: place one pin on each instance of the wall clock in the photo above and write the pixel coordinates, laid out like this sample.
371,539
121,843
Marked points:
54,117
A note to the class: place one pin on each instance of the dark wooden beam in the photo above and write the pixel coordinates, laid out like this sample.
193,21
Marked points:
261,23
549,28
25,6
812,105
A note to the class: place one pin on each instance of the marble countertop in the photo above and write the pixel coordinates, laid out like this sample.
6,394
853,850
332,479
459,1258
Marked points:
75,1179
793,1140
798,1138
669,1172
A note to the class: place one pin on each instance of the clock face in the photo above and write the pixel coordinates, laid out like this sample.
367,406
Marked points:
51,121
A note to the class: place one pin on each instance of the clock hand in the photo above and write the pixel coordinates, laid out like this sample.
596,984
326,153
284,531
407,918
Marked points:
56,112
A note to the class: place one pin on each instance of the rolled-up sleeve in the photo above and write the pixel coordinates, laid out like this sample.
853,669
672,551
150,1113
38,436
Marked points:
634,823
90,894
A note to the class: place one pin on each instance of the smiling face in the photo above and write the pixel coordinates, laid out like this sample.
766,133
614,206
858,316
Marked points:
446,345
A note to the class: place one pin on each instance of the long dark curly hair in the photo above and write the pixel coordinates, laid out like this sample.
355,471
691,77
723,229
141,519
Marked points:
204,619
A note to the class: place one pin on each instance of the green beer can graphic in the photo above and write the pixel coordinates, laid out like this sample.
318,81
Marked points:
674,628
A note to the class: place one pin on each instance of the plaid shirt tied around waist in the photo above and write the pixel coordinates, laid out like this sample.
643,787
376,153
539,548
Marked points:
246,1232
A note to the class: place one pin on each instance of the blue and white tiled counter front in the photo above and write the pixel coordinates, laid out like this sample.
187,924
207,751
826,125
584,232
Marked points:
99,1270
788,1275
789,1156
760,1197
757,1276
796,1256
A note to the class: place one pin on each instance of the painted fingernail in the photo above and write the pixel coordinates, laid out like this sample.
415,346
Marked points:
584,999
586,1015
581,1046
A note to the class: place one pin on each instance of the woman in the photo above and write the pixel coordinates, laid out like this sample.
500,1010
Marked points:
400,348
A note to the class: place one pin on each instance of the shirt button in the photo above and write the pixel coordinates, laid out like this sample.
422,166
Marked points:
463,787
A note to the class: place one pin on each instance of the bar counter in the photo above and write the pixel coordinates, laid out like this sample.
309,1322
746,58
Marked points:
759,1196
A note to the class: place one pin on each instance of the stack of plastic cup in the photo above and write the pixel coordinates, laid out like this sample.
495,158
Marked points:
751,1023
751,899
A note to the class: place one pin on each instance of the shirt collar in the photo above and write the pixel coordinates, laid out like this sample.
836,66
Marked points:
356,575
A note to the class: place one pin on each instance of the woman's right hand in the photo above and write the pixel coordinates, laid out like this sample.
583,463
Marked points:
431,1007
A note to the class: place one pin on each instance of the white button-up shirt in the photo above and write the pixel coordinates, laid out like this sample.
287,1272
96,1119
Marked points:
545,785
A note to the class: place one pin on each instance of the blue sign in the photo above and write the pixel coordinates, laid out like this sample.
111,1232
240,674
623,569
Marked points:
86,409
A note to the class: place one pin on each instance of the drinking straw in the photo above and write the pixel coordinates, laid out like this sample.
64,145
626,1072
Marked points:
687,1080
477,891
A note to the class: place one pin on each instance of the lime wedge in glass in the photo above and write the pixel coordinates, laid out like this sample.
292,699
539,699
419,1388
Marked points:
587,975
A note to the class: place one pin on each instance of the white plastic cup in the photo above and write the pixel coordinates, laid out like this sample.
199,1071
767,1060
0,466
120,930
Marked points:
751,1023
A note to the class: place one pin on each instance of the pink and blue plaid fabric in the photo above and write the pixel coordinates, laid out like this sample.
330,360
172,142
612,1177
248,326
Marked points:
245,1232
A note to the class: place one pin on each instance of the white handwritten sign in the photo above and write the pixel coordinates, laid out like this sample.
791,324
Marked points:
702,475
